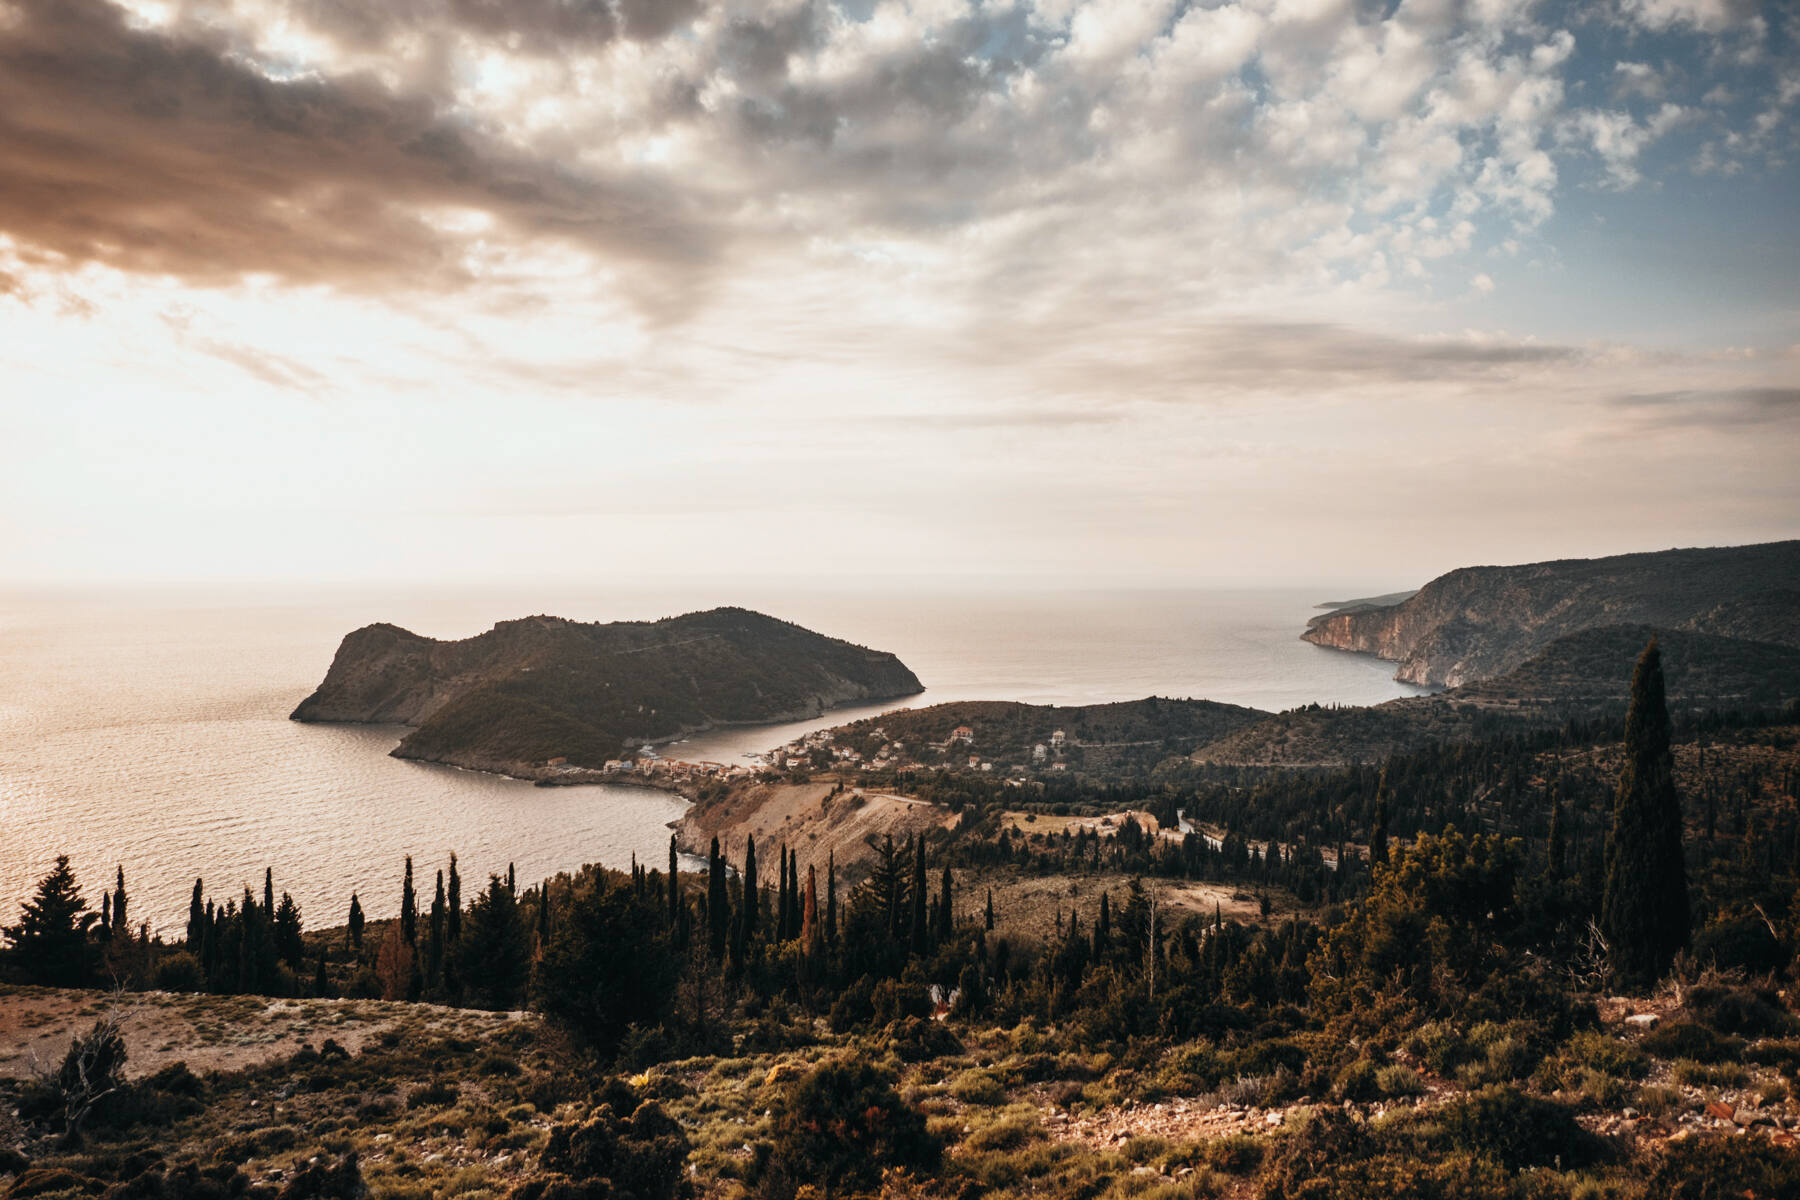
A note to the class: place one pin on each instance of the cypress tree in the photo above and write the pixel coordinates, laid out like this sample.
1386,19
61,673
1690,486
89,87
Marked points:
718,903
409,909
355,923
105,915
1378,840
781,896
453,905
196,927
119,919
674,889
321,981
946,921
543,914
268,905
831,913
990,908
434,938
920,930
793,878
1644,905
752,901
512,881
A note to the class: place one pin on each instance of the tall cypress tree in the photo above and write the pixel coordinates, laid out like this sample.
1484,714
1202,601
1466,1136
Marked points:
196,926
409,909
453,905
268,891
1378,840
781,896
831,913
436,928
674,888
718,903
1644,907
355,923
793,878
121,922
946,921
921,932
752,900
990,907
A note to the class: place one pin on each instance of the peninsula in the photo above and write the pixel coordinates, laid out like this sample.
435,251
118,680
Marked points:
532,697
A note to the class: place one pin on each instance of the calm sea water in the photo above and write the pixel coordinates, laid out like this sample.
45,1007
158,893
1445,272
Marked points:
150,729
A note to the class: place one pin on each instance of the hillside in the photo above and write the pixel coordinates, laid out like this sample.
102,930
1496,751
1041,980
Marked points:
539,688
1584,674
1480,622
1113,738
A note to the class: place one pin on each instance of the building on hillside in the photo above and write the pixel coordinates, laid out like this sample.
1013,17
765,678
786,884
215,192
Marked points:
1039,752
1056,740
962,733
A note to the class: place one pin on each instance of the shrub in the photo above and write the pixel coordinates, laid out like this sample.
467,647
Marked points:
642,1157
842,1122
1746,1012
180,972
1357,1081
978,1087
1724,1169
436,1094
1518,1130
1237,1154
1398,1080
1685,1039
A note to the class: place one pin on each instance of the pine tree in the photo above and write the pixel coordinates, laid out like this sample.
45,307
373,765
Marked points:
495,956
290,946
355,923
1644,906
51,939
409,908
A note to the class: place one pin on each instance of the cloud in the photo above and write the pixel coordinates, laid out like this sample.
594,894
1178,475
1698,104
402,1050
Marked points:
164,153
1723,407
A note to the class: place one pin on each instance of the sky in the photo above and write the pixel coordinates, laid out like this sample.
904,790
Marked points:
1049,294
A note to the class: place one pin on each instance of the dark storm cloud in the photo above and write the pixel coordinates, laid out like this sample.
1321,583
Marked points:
165,153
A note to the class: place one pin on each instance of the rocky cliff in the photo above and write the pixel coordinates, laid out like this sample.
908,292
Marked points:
539,688
1479,622
1584,675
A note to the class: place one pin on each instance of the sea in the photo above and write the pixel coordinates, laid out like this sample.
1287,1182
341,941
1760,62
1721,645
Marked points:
148,728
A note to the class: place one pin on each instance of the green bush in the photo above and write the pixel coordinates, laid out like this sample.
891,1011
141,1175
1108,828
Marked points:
1686,1039
1741,1168
1747,1012
842,1122
1518,1130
